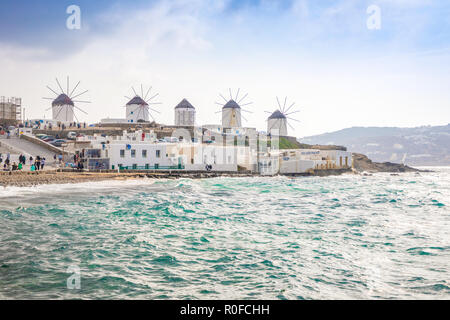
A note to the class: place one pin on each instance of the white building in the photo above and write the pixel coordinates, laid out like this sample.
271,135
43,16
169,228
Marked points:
303,160
62,109
137,151
184,114
137,110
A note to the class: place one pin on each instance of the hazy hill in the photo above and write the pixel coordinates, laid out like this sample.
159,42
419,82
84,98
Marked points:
419,146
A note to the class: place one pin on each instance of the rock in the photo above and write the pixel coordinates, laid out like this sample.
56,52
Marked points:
362,163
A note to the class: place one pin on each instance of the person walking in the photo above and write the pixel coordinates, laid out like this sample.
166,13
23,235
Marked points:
31,160
38,163
42,163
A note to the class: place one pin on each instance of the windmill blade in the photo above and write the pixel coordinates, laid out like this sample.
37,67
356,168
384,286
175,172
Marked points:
289,107
290,126
237,95
81,110
152,97
135,109
286,114
220,104
246,104
293,119
148,91
134,91
127,97
80,94
73,90
59,85
284,106
142,90
75,115
48,98
268,112
153,118
279,105
153,103
223,98
155,110
219,111
244,117
60,109
80,101
245,96
49,108
248,111
272,126
67,85
137,116
52,90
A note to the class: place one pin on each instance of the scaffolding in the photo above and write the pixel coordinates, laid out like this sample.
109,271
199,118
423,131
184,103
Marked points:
10,110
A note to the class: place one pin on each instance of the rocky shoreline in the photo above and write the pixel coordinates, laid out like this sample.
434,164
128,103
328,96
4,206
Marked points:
361,163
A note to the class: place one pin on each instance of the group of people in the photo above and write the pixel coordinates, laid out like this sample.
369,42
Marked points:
77,161
60,126
7,163
36,164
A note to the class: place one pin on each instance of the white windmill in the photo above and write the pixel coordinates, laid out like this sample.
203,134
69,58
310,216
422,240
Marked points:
231,110
277,122
63,106
138,108
184,114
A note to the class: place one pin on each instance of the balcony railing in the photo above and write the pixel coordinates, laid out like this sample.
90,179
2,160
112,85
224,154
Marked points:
179,167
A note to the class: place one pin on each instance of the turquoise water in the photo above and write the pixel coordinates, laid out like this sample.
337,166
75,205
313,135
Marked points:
346,237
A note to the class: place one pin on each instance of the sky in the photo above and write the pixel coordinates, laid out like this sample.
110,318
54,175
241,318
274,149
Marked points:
322,55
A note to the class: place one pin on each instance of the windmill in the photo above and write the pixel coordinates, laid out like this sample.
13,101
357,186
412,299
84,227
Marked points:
63,106
277,122
231,110
138,107
184,114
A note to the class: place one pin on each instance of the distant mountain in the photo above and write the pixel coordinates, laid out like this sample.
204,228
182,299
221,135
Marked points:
421,146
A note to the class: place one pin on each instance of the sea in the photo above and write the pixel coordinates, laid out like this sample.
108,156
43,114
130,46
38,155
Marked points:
340,237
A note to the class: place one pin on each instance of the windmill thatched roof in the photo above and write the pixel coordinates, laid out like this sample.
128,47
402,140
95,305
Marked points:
184,104
62,100
137,100
277,115
231,104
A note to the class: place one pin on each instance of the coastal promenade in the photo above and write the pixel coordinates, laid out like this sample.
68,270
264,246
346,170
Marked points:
62,176
23,178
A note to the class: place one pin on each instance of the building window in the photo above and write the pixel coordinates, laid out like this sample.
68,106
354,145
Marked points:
133,153
134,166
147,166
158,153
144,153
122,154
120,165
156,165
